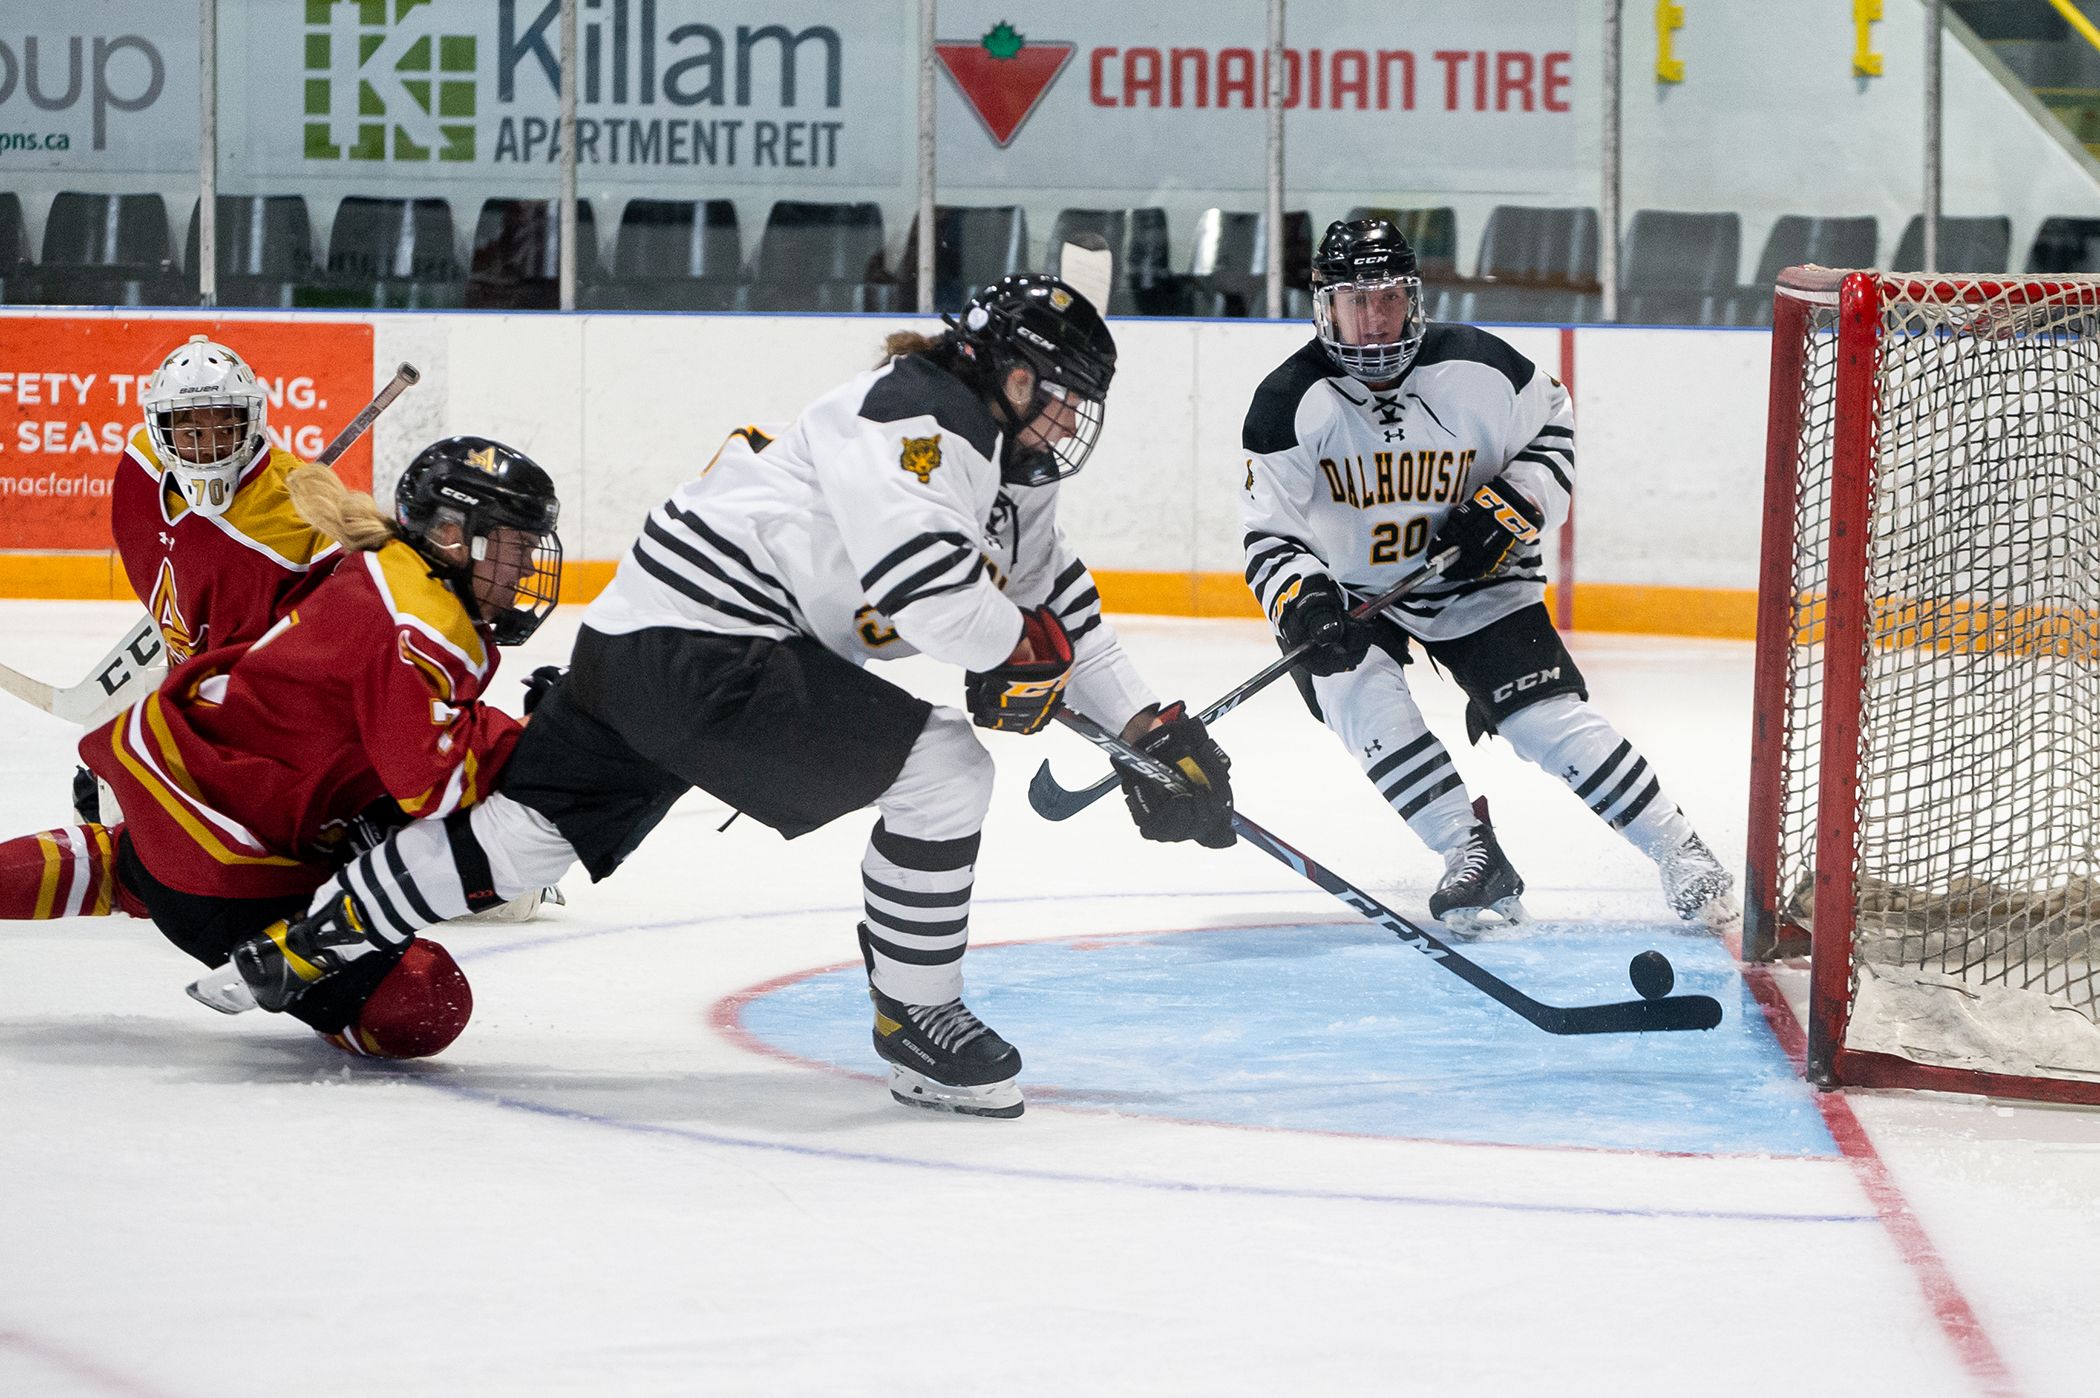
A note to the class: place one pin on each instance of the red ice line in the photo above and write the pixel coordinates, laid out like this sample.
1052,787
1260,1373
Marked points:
1950,1308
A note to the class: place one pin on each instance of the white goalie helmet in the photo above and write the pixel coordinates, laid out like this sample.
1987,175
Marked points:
205,413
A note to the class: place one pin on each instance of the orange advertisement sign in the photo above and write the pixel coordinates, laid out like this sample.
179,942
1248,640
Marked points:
69,402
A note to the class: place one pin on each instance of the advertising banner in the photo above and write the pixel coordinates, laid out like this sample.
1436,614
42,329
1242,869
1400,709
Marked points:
108,86
1420,95
695,96
69,401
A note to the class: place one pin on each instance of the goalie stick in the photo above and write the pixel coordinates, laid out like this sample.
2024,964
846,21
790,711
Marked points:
1054,802
104,689
1622,1017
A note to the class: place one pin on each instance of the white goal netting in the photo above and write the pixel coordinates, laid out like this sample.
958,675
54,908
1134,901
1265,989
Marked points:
1978,786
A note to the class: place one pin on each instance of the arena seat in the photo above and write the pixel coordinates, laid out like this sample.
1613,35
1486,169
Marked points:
674,255
1977,245
397,254
265,249
108,250
516,262
821,257
973,246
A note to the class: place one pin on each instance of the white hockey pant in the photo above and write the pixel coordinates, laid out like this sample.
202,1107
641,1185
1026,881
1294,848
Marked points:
1372,711
917,872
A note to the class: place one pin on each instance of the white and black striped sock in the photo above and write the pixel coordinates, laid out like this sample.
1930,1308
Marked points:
1418,781
917,899
1568,738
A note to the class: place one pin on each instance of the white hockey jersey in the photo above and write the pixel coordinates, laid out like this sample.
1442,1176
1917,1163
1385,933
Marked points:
1353,482
876,524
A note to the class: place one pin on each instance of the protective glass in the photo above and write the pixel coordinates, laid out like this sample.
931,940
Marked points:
1370,328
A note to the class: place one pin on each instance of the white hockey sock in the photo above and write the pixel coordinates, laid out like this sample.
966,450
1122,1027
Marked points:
1574,742
1372,712
916,895
1419,782
434,870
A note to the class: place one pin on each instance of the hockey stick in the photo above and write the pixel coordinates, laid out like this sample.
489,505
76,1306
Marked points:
1623,1017
1054,802
103,690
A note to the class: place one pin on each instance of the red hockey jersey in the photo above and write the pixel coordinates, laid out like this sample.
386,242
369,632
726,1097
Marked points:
211,582
240,776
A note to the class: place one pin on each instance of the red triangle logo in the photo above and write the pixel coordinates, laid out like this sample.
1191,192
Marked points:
1003,90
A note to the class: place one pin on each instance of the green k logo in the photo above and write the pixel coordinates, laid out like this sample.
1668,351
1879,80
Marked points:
368,74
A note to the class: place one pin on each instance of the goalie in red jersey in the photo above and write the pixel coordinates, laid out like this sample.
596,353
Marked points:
244,776
202,518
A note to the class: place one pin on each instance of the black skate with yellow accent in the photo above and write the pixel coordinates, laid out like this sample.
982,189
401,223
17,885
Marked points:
290,957
945,1058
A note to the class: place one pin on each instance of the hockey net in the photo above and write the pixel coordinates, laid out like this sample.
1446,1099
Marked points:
1925,810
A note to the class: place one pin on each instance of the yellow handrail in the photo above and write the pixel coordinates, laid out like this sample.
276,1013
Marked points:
2077,20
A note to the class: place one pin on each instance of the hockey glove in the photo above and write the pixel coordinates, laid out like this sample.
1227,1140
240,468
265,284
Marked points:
1022,695
1203,814
1485,529
1312,612
538,683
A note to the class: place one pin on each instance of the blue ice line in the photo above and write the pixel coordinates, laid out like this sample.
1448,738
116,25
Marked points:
585,934
1253,1191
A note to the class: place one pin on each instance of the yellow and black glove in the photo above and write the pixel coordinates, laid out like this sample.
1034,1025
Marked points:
1022,695
1486,529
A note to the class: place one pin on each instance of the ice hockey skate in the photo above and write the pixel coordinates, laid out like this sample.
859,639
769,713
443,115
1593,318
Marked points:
1699,889
1480,888
945,1058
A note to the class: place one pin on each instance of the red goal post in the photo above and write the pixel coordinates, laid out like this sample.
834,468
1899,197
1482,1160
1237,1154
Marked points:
1925,759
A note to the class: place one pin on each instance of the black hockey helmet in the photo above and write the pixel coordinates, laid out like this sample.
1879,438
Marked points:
1367,299
1037,321
510,579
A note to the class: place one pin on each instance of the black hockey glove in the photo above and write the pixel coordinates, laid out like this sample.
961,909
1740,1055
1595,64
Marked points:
1022,695
538,683
1204,814
1312,612
1485,529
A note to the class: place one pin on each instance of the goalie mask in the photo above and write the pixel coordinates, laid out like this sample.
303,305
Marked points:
482,515
1367,299
1039,323
204,415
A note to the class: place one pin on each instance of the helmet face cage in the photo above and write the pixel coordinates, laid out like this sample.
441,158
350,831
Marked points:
1075,420
1380,361
505,510
1041,324
516,579
205,460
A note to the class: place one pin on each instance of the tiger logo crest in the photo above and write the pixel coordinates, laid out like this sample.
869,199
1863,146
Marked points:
921,456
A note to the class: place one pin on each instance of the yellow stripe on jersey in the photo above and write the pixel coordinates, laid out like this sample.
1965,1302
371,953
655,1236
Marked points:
421,598
262,512
176,804
47,891
106,871
440,678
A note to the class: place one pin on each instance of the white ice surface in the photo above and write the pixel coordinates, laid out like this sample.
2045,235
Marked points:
597,1192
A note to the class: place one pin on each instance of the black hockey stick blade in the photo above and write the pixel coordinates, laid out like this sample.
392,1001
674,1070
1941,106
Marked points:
1054,802
1626,1017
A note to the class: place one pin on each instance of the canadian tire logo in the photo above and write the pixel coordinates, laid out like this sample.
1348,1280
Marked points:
381,85
1002,76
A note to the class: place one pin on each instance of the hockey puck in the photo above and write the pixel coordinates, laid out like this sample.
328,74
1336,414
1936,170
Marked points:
1651,974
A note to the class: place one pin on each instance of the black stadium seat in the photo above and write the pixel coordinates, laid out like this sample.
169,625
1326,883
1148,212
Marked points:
1974,245
1679,268
516,265
108,250
674,255
1229,261
972,247
1145,281
392,254
265,249
821,257
17,272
